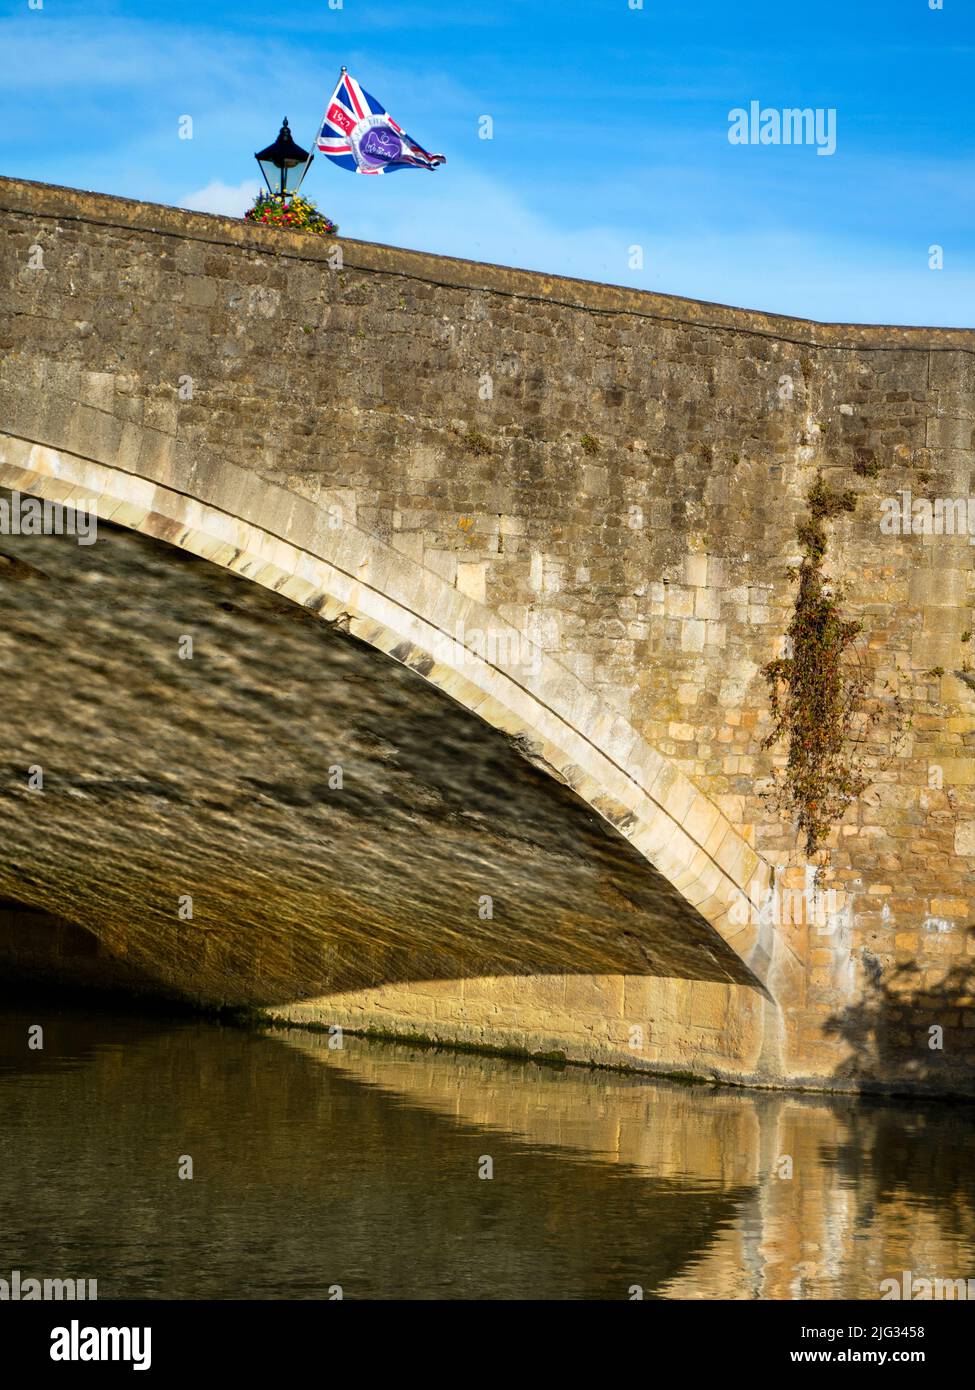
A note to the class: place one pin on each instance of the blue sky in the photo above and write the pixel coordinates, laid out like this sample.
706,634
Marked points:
610,131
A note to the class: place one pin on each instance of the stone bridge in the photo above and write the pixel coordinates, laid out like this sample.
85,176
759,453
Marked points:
414,680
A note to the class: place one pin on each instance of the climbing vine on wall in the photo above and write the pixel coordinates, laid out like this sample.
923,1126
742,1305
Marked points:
818,690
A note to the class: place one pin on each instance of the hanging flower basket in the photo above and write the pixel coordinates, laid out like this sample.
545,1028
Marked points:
296,213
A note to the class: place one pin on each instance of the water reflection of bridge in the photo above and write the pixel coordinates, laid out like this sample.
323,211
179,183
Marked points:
862,1200
358,1167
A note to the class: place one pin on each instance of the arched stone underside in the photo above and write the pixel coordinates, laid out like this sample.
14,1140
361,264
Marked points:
354,580
410,613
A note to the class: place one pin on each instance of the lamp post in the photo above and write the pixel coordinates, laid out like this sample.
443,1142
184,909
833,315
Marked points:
283,164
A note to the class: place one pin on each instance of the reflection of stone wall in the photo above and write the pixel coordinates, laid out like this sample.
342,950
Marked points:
872,1192
663,1130
304,1179
358,1167
441,406
834,1196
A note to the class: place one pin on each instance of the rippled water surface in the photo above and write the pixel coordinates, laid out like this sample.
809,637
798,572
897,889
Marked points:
315,1167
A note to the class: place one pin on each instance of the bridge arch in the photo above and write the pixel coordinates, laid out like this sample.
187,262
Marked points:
352,578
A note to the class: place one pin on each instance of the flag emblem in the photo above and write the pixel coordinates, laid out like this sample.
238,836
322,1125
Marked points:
359,134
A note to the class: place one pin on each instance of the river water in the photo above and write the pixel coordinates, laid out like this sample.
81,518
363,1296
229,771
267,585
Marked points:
389,1171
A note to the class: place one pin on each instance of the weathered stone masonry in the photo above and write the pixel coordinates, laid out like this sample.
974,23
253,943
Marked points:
615,475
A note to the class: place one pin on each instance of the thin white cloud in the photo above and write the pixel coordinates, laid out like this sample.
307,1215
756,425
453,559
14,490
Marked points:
229,200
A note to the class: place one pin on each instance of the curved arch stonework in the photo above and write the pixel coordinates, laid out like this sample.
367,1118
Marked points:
410,613
349,578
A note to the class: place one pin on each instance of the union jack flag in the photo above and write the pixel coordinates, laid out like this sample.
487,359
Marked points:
358,133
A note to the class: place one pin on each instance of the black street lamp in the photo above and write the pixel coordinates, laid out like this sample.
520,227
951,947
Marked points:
279,163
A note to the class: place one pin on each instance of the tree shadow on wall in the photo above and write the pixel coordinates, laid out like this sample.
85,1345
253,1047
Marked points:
908,1031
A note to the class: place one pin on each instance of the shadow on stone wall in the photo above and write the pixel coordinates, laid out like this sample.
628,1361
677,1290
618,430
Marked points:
890,1031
